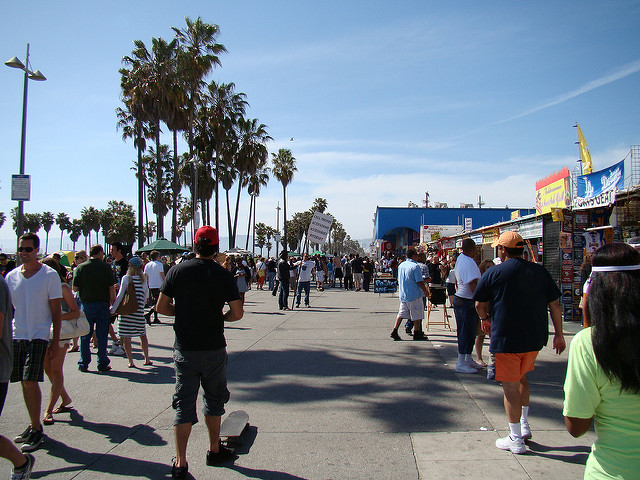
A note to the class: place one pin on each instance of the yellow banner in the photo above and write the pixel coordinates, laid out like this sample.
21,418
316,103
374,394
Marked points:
553,192
585,156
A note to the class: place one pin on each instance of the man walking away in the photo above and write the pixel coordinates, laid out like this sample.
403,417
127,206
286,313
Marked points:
36,294
199,289
512,300
306,268
467,275
411,289
154,270
94,281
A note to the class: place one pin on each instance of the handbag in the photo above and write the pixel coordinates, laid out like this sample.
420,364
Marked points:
78,327
129,303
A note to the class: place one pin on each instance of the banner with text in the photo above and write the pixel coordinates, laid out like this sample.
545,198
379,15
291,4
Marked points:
319,228
594,184
553,192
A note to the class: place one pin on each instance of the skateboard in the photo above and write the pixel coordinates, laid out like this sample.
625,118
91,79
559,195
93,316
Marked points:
231,430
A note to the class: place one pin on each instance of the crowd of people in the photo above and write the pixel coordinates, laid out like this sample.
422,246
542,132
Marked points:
509,299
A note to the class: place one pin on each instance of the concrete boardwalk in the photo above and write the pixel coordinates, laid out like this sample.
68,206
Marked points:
330,396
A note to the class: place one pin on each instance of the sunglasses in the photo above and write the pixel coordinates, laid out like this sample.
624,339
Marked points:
25,249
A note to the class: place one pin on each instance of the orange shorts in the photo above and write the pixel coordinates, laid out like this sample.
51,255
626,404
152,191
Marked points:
511,367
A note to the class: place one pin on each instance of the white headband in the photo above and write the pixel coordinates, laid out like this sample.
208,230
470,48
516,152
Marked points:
615,268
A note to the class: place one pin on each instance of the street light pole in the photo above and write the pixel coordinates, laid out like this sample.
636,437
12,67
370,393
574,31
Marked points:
33,75
278,228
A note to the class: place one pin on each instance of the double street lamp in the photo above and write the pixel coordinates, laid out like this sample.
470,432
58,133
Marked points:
28,75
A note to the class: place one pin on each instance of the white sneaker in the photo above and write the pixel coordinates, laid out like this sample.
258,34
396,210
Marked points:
514,444
112,350
474,364
464,368
120,351
526,430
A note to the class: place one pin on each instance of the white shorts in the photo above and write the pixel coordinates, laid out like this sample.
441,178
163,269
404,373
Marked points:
320,276
413,310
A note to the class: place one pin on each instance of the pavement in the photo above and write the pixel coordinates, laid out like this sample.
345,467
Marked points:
329,395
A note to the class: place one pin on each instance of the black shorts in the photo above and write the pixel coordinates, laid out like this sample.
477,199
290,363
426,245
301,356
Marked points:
28,360
338,272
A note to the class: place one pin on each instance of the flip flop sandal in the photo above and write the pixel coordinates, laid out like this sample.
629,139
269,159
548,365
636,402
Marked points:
63,409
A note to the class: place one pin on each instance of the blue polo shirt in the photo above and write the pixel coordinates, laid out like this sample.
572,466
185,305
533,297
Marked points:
409,274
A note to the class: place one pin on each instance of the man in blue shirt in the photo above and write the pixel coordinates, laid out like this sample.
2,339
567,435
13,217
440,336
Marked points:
411,289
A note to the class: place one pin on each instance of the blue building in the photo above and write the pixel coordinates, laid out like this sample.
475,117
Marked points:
399,227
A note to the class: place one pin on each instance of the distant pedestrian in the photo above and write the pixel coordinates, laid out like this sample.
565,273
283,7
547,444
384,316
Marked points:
513,300
154,270
6,264
306,268
195,292
36,294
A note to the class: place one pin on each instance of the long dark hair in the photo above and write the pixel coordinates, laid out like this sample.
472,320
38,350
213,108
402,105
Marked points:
613,305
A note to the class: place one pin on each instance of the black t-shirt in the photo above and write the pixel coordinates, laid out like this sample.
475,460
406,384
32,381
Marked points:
7,268
120,269
518,292
283,270
199,288
356,265
271,266
434,273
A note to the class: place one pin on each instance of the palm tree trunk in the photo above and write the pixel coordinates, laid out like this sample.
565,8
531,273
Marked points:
174,200
232,239
159,216
235,217
284,195
141,202
249,226
217,195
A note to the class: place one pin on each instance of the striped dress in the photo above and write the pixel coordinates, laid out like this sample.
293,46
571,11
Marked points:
133,325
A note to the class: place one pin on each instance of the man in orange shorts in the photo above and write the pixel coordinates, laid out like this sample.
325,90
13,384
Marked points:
513,299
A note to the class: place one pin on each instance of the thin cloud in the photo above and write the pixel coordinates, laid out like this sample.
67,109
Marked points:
623,72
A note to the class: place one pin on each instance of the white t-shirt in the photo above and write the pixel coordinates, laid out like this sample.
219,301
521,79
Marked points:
30,298
466,271
154,270
305,270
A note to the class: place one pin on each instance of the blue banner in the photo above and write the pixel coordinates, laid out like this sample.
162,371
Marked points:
594,184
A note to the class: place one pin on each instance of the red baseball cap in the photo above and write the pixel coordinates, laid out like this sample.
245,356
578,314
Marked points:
207,234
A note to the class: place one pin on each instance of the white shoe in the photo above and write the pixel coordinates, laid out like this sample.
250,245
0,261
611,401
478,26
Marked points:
120,351
526,430
514,444
464,368
113,349
474,364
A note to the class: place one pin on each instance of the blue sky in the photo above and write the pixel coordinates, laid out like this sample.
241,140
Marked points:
384,100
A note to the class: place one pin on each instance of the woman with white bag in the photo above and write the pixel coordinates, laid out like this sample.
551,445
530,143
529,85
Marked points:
53,367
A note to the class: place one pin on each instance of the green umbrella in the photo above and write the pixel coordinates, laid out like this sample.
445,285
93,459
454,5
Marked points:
163,246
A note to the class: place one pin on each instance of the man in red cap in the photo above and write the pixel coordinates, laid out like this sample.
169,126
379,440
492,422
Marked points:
195,292
513,299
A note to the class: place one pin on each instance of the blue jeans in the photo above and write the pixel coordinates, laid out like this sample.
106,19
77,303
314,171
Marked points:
271,276
466,323
306,286
97,314
283,298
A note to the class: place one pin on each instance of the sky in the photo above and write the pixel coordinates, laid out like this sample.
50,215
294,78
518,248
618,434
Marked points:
378,101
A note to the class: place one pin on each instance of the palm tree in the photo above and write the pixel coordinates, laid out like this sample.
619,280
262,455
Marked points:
75,231
154,72
197,56
220,111
64,224
257,179
160,184
252,155
3,218
32,222
90,218
47,221
284,166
